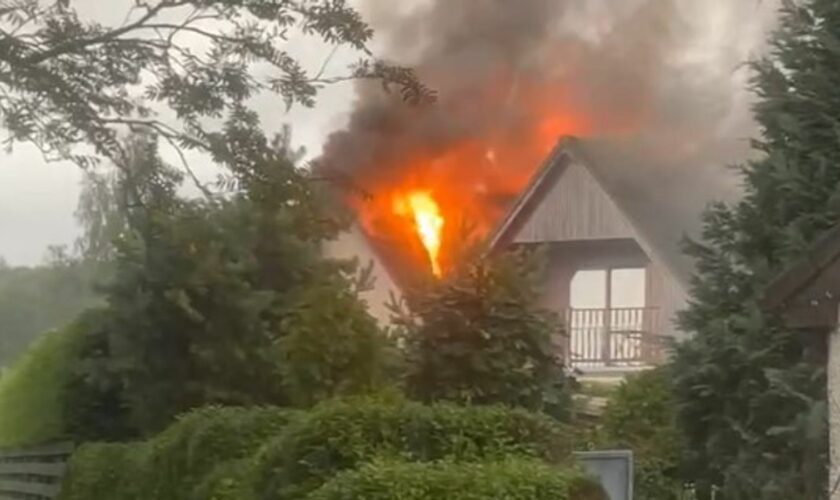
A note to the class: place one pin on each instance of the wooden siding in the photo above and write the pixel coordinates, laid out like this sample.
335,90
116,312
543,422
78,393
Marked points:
577,208
353,244
666,293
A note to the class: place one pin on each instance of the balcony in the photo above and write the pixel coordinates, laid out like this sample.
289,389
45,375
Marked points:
618,338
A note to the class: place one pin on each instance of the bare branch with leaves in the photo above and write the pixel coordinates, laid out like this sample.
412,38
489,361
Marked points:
67,84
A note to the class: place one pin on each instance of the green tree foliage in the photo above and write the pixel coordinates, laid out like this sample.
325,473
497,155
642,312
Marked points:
332,346
479,336
37,299
68,81
641,416
750,392
211,300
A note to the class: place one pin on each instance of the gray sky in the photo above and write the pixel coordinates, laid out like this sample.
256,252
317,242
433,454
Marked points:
37,200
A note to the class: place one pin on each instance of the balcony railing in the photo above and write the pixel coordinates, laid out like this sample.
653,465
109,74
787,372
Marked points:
612,338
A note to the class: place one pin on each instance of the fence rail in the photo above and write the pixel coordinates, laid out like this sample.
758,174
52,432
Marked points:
619,337
33,473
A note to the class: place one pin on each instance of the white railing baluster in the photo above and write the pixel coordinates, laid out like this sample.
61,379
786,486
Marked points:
619,337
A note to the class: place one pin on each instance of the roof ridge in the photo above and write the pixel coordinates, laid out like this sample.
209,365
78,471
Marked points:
570,148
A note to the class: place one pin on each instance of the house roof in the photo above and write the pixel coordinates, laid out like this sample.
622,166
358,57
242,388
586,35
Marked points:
662,201
638,188
808,292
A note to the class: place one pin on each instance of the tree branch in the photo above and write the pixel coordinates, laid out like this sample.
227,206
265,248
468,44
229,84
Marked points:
75,45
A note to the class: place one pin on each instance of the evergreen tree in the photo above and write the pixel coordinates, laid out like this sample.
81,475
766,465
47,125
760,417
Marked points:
479,336
750,391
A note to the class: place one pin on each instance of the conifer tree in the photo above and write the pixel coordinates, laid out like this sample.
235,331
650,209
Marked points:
750,391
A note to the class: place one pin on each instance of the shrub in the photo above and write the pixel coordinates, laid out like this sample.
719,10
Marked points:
105,471
232,480
180,463
32,391
641,416
511,480
341,435
189,449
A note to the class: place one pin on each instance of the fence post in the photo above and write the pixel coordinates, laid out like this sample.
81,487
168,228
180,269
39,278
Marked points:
606,339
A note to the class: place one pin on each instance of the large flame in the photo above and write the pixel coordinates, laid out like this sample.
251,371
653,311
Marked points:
428,222
451,197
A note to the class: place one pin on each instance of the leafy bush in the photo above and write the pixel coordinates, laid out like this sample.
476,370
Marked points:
187,455
479,337
232,480
111,471
511,480
641,416
180,456
32,391
342,435
229,453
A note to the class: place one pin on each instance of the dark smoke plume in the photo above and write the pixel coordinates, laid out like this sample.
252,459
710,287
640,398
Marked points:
662,80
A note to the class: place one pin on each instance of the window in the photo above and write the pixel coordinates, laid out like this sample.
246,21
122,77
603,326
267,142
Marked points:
608,289
608,316
627,288
589,290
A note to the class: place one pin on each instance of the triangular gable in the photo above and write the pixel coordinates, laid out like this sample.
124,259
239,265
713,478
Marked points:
567,201
575,208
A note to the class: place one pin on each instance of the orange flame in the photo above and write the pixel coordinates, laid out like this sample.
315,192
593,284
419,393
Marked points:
453,192
428,222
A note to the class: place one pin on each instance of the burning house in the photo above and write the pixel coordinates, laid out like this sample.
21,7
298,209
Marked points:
613,274
483,163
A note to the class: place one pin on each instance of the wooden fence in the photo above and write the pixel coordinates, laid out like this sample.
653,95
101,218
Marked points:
33,473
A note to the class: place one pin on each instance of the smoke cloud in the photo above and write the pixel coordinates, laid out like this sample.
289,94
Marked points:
663,81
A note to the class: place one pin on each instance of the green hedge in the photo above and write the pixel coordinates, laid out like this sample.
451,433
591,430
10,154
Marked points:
341,435
232,480
509,480
32,390
100,471
169,466
245,454
181,456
